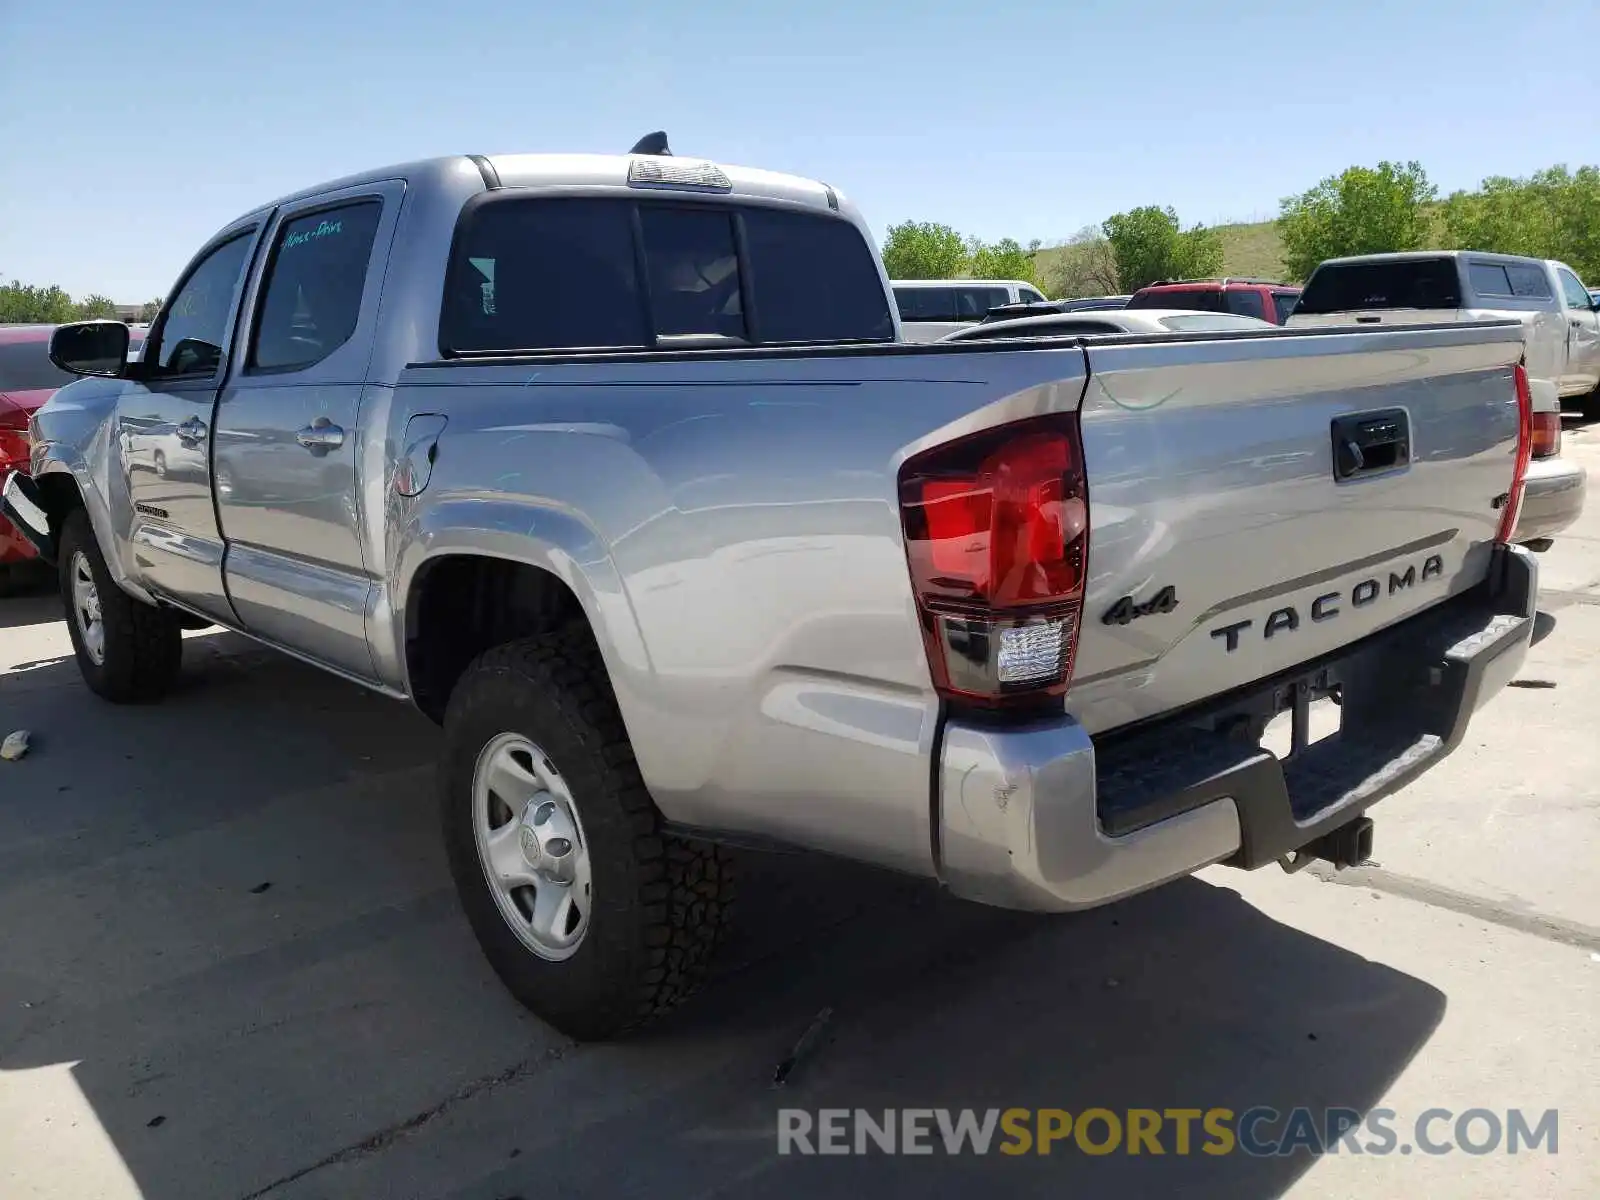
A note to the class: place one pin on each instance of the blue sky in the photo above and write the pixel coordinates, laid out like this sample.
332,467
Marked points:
129,132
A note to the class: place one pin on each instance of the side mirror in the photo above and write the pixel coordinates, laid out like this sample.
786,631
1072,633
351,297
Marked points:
91,348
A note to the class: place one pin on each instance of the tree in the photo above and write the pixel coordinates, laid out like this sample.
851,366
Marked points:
1085,266
1148,244
150,309
1005,259
1364,210
1554,213
95,306
30,304
924,250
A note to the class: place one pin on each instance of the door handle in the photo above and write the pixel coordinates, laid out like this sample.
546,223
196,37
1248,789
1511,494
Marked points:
321,435
192,430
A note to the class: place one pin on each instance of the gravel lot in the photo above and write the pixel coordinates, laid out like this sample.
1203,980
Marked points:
234,967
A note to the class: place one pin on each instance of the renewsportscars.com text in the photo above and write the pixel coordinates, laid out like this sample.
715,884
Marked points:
1259,1131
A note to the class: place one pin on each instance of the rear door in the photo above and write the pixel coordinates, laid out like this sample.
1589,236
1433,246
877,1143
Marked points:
286,440
164,420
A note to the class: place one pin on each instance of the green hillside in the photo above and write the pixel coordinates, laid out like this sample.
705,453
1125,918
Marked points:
1252,249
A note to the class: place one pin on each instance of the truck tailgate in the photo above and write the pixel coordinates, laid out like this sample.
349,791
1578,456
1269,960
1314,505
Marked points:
1223,471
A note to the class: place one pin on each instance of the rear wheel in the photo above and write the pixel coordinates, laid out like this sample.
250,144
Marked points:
128,651
593,917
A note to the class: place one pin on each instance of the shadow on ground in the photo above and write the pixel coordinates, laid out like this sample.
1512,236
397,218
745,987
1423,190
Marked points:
228,921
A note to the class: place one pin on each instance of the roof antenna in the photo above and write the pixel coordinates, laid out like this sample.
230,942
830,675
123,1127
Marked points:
652,143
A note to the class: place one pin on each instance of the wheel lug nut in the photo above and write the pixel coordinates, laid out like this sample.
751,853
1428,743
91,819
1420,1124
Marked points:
544,812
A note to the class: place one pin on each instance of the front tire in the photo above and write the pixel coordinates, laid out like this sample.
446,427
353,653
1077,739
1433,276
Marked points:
128,651
592,917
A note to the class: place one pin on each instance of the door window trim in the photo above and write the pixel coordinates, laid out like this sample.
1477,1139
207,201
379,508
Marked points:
264,280
150,371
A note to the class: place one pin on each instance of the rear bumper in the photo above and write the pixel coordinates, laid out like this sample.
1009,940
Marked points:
1552,498
1043,817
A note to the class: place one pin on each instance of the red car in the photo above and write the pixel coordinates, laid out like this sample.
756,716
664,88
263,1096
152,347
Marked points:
27,379
1260,298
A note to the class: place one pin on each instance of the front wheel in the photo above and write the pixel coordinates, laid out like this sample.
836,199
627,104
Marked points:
128,651
593,917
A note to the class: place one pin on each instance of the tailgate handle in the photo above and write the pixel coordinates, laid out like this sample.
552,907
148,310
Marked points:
1370,443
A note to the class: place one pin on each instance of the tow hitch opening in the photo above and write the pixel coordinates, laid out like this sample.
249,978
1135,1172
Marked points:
1350,845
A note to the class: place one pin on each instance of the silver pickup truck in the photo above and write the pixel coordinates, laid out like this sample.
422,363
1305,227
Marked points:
616,467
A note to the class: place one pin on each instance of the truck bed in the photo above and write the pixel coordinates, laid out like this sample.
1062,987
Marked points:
733,519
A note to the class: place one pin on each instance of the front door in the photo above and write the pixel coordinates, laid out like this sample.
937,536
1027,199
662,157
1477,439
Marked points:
286,437
1583,336
164,418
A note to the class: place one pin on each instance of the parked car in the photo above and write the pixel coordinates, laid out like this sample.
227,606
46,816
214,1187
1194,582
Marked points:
27,379
1099,324
1545,297
931,308
1040,308
634,488
1262,298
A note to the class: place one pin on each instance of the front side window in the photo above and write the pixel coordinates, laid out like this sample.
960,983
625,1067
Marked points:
312,297
1284,303
1572,288
195,324
1027,295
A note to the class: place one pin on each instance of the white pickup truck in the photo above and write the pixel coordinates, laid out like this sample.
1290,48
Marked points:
616,467
1562,323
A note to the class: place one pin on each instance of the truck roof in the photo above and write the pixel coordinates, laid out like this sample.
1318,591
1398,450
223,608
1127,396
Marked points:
1429,256
570,170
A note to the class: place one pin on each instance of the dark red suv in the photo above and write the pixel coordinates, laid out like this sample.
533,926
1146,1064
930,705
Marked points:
1262,298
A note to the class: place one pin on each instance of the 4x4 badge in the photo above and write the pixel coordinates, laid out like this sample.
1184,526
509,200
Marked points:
1125,610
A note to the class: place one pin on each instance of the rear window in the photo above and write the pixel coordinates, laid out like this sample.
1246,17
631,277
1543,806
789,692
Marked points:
1403,283
564,273
1197,299
26,367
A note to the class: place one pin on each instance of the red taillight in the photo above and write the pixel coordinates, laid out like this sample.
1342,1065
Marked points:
13,437
997,537
1546,434
1513,507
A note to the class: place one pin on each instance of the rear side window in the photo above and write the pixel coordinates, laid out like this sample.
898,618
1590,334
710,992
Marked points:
548,274
926,303
1284,303
26,367
974,303
314,283
1529,281
1402,283
813,279
1194,299
1247,304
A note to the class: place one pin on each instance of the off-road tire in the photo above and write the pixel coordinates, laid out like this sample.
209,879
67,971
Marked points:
143,644
660,903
